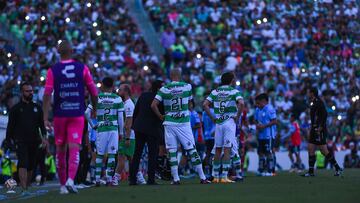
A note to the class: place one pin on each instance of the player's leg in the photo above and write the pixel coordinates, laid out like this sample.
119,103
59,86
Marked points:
121,160
101,140
75,128
112,147
331,159
270,160
229,139
218,145
312,159
171,145
262,158
93,161
60,141
134,166
208,157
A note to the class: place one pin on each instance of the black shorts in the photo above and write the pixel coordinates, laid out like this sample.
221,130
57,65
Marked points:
317,138
294,149
265,146
161,139
26,154
209,145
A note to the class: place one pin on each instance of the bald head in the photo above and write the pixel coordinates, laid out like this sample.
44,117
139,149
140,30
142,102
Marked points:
175,74
65,50
125,91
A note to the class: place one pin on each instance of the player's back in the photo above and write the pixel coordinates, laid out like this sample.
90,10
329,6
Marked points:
176,97
108,107
224,99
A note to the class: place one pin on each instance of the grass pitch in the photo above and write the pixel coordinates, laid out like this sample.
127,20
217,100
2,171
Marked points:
283,188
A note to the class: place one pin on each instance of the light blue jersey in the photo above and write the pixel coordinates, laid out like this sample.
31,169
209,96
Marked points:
209,125
194,120
92,132
264,116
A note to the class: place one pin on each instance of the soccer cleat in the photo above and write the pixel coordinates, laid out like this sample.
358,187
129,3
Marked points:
175,182
204,181
215,180
226,180
97,184
307,175
339,172
71,186
63,190
267,174
238,179
140,179
115,181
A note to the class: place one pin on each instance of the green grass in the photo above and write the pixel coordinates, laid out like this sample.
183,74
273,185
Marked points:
285,187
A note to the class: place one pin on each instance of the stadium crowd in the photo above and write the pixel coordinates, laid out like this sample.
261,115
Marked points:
281,48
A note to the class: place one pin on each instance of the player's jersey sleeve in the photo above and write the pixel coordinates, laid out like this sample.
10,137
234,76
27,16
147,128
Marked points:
211,97
119,104
190,92
89,82
238,96
49,84
160,94
272,113
129,109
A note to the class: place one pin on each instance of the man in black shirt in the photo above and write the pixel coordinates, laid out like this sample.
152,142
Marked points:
318,133
27,131
148,129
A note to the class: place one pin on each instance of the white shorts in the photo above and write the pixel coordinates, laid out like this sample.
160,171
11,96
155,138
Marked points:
107,142
234,149
175,134
225,134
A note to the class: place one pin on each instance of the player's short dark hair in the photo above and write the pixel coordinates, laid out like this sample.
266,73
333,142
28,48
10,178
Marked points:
156,85
262,96
65,48
108,82
127,89
25,83
314,90
227,78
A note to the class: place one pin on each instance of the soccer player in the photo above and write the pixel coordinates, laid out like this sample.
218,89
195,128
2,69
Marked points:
67,80
318,133
227,107
127,142
92,126
294,146
265,118
209,133
176,97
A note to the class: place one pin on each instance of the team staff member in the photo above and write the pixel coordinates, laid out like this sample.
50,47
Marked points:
148,129
26,130
318,133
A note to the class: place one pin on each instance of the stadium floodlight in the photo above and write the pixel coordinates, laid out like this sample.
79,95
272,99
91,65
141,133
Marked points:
265,20
146,68
317,73
198,56
43,18
353,99
88,5
98,33
258,22
96,65
42,78
339,117
117,90
98,85
303,70
5,112
357,97
10,63
333,108
9,55
27,17
238,83
94,24
67,20
18,82
59,41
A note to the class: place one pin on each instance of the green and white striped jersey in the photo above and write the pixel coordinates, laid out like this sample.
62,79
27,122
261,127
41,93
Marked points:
224,99
108,107
176,97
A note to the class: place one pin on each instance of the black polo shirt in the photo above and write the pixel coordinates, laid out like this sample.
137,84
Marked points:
318,114
25,120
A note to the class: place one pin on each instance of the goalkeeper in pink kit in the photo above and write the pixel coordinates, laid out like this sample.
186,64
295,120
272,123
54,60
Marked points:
67,80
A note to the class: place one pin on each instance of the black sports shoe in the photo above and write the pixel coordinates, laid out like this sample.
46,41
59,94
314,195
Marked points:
339,172
307,175
175,182
97,184
205,181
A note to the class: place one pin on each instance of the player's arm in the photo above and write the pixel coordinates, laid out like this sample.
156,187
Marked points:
240,106
273,120
206,105
49,88
89,82
129,112
10,129
88,116
155,104
120,121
